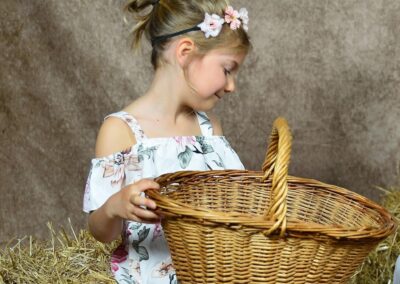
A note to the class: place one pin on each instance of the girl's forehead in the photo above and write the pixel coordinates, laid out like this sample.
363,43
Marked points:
227,55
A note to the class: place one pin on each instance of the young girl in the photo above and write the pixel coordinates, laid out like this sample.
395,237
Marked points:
197,49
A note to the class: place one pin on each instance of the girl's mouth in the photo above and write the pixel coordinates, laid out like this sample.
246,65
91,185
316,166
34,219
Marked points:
217,96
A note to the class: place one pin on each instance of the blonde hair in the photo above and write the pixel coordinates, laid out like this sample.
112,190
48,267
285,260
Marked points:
170,16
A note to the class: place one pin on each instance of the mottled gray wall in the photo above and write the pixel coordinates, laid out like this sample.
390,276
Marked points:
331,67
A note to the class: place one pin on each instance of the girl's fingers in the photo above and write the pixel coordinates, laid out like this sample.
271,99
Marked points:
145,184
137,199
143,201
145,215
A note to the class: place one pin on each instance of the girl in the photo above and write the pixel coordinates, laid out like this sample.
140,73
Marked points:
197,49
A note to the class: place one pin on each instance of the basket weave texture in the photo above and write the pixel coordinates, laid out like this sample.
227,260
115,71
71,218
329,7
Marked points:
264,226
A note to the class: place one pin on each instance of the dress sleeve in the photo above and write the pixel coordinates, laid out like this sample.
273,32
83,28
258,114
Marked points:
107,176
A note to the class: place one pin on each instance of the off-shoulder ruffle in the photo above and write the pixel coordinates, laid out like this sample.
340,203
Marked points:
153,157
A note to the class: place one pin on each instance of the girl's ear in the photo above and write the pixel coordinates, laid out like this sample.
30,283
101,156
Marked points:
184,49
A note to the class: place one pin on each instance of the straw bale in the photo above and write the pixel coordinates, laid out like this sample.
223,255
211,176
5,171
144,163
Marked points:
63,258
79,258
378,268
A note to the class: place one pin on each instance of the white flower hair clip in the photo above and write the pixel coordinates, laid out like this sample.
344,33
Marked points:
212,24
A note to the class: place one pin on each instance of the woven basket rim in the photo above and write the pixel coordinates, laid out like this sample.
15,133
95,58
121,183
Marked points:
246,221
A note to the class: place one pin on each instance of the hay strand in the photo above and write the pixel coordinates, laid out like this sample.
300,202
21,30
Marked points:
61,259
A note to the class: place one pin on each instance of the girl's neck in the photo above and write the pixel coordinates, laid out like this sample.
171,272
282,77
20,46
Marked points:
164,98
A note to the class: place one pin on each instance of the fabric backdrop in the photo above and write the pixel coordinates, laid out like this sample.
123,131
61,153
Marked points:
330,67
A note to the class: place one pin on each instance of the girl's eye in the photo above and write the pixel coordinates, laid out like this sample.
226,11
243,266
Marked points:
227,72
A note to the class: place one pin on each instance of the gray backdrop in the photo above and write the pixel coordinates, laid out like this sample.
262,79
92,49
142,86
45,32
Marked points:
331,67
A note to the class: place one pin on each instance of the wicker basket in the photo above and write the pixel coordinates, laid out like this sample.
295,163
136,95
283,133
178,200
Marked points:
266,227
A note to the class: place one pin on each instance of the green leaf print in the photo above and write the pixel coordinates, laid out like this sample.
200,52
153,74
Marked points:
172,279
141,250
135,244
219,163
185,157
134,226
145,152
98,164
125,276
206,120
200,139
205,147
143,233
143,253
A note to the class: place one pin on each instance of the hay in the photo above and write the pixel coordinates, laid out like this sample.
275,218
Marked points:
79,258
378,268
61,259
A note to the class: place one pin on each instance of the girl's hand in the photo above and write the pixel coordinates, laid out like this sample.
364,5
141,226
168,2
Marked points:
126,203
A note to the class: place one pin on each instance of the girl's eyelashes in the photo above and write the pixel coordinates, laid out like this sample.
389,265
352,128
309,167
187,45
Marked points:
227,72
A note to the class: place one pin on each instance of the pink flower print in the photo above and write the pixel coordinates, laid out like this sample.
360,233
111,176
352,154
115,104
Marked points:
163,269
212,25
115,169
185,140
232,17
114,267
132,163
133,123
135,271
119,174
157,231
119,255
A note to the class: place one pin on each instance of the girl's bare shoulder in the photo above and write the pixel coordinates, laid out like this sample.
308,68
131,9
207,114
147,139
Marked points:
114,136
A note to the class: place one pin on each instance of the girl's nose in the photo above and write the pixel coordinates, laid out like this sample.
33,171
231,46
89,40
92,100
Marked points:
230,85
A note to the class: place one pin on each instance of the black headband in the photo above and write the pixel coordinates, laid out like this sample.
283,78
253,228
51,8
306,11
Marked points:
157,39
212,24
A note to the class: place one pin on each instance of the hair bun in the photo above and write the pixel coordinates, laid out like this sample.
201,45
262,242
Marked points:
170,18
137,6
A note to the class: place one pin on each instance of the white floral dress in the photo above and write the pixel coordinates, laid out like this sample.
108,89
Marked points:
144,257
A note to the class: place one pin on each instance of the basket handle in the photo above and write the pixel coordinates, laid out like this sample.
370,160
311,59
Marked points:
276,166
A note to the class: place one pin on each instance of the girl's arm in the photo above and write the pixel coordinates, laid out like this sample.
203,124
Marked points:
103,226
106,223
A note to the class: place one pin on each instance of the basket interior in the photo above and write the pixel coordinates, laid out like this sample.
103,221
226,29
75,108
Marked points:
307,201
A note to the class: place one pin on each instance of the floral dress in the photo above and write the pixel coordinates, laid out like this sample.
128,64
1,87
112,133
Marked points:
144,257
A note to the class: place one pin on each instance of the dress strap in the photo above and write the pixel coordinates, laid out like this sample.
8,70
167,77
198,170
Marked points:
132,123
205,123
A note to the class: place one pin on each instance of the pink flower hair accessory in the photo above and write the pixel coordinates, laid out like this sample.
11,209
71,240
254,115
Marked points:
236,18
212,24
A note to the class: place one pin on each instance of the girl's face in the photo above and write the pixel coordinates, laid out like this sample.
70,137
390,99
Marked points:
213,76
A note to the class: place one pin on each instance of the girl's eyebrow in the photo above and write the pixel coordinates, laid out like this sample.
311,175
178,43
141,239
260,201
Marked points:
235,64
